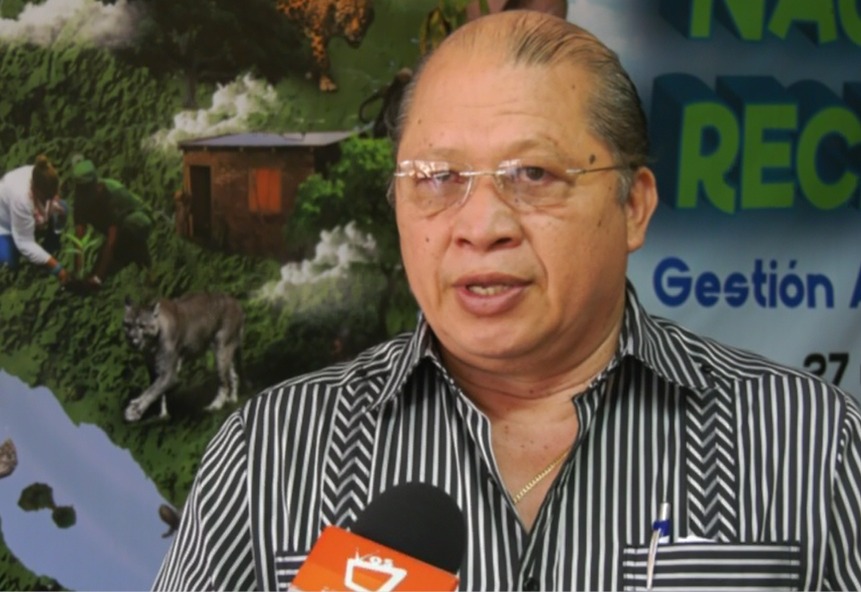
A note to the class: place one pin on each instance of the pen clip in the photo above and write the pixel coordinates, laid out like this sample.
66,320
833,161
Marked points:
660,529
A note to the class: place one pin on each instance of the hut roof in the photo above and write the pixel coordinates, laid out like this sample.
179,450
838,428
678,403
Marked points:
266,140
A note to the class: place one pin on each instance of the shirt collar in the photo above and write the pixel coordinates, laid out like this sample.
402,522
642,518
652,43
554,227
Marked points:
643,337
419,346
662,346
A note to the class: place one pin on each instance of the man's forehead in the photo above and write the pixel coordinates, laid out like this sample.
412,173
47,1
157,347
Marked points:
495,125
475,78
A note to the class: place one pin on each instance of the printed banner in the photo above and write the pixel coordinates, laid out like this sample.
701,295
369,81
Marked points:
755,119
244,177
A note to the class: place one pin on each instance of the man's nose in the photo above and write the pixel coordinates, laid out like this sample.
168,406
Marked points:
477,177
485,219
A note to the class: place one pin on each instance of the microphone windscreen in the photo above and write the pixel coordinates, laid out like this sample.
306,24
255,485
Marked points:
419,520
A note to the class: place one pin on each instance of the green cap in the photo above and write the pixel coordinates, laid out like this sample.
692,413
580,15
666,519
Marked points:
84,172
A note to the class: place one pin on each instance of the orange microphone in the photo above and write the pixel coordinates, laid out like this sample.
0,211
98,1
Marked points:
411,537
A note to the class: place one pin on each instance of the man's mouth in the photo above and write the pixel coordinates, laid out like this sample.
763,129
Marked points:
491,290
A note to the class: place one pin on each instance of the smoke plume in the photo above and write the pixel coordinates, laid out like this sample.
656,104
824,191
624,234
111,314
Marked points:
71,22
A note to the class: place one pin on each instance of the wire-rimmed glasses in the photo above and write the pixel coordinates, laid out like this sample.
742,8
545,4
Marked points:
434,185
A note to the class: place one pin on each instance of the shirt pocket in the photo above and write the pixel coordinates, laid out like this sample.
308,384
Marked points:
715,566
286,568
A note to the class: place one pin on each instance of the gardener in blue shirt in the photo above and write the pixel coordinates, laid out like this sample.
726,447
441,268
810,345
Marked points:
30,206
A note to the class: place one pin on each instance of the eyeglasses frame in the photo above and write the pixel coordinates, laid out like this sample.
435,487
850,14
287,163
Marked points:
497,173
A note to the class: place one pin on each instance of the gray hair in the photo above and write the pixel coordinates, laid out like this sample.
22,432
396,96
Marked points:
531,38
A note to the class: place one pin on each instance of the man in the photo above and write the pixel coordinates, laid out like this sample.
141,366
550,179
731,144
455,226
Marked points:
572,428
114,212
30,203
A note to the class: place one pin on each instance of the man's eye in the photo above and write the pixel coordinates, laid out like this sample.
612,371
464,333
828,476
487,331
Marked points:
448,177
439,177
531,174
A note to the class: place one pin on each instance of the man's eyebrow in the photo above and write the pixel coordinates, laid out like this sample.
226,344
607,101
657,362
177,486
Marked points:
513,150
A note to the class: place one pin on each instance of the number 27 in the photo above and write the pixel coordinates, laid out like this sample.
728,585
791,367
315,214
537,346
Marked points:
818,363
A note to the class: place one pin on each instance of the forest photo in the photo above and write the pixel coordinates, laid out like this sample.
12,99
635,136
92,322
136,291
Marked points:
223,169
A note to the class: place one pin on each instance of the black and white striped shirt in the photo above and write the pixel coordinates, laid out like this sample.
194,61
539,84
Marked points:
760,463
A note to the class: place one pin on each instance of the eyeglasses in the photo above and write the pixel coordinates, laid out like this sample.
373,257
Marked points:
434,185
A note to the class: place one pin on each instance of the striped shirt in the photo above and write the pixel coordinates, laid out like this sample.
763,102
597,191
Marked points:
760,464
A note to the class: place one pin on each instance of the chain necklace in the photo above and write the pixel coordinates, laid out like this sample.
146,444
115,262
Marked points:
537,478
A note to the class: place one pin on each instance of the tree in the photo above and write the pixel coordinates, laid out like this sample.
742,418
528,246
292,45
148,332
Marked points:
10,9
354,189
214,41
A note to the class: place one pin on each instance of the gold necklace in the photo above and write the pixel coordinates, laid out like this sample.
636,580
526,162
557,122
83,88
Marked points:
537,478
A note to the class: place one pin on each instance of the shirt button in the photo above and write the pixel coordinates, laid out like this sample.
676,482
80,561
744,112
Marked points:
531,584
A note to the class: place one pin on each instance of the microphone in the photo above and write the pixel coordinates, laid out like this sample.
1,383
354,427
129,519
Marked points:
410,537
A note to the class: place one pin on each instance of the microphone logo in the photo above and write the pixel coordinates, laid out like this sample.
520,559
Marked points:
371,573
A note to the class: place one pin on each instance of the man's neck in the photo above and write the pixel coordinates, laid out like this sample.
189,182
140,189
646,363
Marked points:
505,391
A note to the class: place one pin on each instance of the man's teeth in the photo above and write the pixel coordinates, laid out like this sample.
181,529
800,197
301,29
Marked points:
487,290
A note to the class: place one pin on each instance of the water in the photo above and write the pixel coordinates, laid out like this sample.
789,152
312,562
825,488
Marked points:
116,542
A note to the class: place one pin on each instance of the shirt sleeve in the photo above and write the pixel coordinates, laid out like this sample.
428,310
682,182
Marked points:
843,567
24,231
212,549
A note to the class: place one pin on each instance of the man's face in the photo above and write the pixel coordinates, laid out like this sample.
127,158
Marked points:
505,286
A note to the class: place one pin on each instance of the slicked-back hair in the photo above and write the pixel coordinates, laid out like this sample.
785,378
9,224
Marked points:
522,37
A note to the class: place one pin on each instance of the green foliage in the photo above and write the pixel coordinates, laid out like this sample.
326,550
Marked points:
391,43
51,336
26,362
39,496
354,189
215,42
67,101
36,496
74,344
87,247
444,18
64,516
41,113
10,9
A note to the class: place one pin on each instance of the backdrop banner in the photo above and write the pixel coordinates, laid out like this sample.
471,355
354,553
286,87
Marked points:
755,120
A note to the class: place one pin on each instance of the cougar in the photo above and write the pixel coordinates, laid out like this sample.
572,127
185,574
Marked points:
173,329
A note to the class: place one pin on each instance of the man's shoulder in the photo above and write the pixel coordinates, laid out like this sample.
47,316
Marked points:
363,375
746,371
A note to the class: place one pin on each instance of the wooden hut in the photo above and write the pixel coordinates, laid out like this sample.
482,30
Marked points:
240,189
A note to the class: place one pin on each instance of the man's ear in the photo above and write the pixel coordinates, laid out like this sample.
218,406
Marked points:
641,204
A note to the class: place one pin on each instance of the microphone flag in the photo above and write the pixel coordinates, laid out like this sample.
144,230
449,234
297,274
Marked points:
342,560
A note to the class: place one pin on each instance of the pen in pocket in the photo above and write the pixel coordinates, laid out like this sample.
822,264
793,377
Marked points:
660,529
